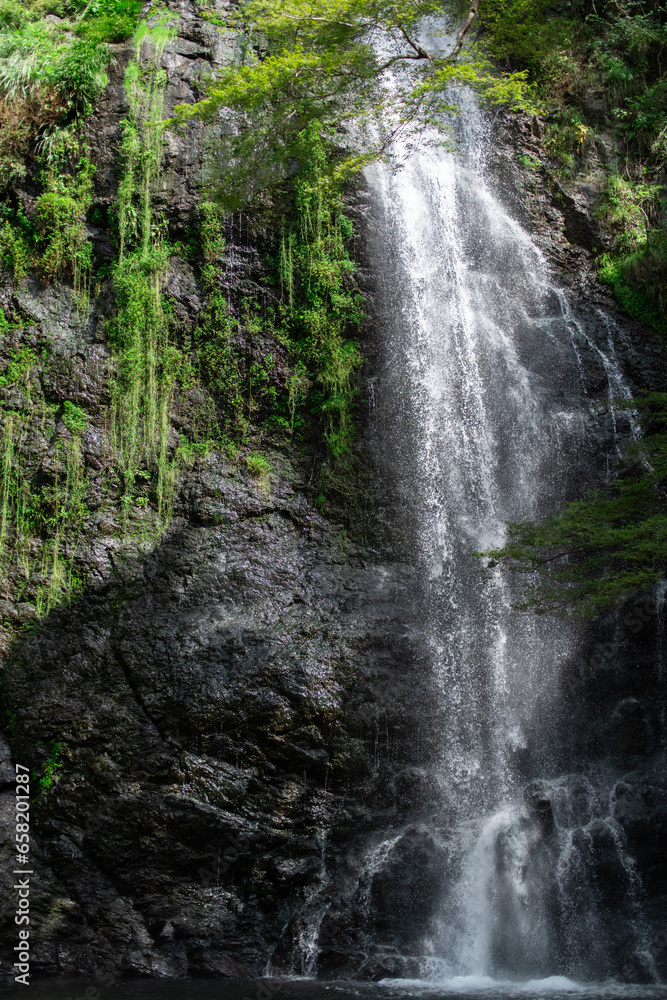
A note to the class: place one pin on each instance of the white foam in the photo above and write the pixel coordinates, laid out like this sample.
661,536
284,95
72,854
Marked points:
554,983
459,984
472,983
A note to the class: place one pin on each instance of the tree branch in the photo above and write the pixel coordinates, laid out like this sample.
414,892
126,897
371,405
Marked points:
464,30
402,58
421,53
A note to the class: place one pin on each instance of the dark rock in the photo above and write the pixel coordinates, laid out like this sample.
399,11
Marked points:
538,801
630,729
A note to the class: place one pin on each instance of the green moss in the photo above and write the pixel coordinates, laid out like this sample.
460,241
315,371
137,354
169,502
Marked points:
41,523
19,367
640,298
217,359
636,266
15,252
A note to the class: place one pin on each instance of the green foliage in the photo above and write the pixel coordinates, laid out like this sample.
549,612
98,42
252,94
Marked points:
15,252
75,418
49,78
138,332
308,71
38,57
521,32
55,242
40,522
626,208
51,767
636,268
139,328
596,552
321,305
565,138
318,312
316,62
60,241
258,466
62,234
109,20
217,360
20,365
601,68
12,14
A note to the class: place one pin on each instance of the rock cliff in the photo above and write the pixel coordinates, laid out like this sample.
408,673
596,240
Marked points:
225,698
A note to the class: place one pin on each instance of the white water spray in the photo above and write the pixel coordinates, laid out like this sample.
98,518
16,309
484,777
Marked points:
482,407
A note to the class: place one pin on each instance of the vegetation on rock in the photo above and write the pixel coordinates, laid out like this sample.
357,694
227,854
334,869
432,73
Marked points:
596,552
596,73
319,90
597,81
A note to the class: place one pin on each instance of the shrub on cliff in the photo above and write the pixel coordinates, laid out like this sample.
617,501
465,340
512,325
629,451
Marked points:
596,552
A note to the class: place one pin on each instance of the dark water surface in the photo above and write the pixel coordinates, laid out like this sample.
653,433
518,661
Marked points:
468,987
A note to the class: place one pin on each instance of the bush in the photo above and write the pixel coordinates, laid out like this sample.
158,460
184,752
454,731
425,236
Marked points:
37,58
79,72
21,120
110,20
521,33
58,220
61,241
74,418
638,279
12,14
15,252
258,467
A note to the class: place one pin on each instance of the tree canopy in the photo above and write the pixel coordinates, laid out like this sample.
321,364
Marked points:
360,68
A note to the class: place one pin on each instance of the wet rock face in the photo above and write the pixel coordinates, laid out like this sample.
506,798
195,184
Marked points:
537,799
213,704
379,913
613,702
189,59
405,893
563,221
613,705
223,708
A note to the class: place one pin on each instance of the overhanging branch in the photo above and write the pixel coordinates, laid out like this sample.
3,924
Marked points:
460,38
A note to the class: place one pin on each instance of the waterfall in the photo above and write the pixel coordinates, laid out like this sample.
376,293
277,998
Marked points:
481,417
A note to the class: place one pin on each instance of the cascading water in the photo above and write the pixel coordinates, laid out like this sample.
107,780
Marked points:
481,405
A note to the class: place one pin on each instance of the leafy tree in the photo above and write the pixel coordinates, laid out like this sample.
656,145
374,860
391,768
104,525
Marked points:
360,68
321,88
596,552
